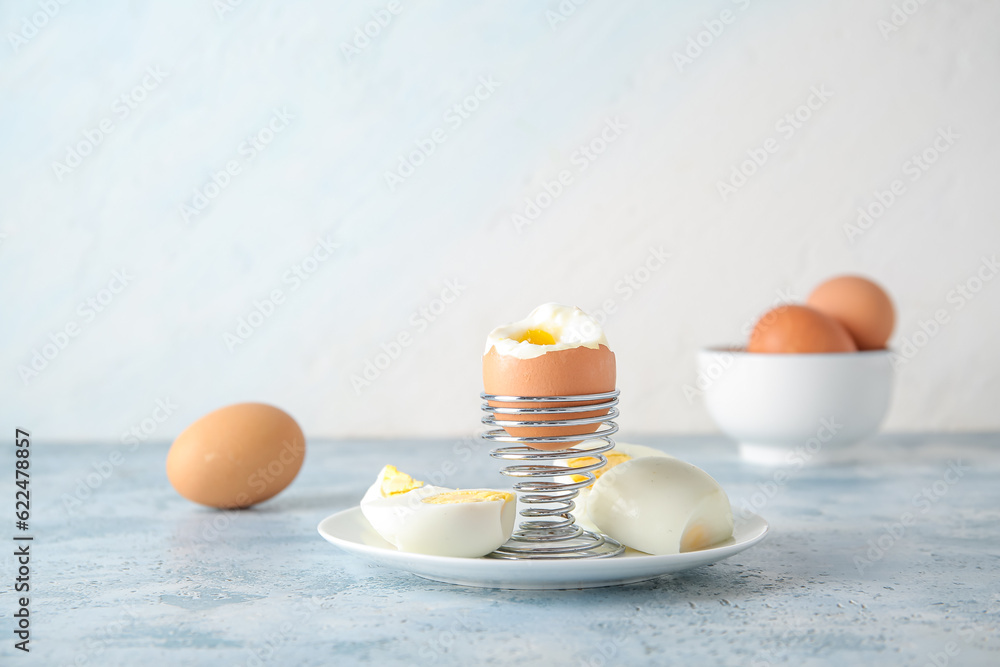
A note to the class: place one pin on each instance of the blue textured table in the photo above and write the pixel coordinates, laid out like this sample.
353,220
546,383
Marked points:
891,555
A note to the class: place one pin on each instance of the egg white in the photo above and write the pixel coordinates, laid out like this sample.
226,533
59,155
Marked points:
570,326
660,505
466,529
582,512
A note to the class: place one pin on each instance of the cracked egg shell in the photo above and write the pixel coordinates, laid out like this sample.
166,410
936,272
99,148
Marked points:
567,372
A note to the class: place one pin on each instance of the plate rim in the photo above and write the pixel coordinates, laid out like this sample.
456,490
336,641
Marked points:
512,566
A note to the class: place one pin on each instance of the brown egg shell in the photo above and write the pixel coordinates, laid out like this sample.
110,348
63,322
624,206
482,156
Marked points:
861,306
237,456
799,330
578,370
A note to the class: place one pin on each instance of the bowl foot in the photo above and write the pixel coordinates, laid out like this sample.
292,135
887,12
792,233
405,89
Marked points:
765,454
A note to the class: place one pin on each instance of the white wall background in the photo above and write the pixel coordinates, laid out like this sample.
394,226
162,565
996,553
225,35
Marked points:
162,337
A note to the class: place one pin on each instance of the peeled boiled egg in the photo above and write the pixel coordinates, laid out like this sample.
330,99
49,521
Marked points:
237,456
425,519
556,351
661,505
622,452
797,330
861,306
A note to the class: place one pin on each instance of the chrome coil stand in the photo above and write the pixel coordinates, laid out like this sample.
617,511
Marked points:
550,531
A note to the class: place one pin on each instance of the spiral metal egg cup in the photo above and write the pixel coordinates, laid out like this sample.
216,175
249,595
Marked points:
550,531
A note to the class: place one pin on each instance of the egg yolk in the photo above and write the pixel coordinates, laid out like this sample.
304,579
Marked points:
695,537
614,458
537,337
395,482
470,496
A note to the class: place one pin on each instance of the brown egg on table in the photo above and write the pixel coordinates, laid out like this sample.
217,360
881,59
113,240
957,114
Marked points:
556,351
237,456
861,306
797,330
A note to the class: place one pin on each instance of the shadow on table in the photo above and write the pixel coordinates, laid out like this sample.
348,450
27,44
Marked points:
325,503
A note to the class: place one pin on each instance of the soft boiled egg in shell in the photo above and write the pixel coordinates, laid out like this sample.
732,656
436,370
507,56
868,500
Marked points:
556,351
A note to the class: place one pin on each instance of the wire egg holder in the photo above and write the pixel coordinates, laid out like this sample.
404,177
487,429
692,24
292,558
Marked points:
550,530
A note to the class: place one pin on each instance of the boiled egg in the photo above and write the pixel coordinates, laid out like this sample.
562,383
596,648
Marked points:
556,351
426,519
660,505
622,452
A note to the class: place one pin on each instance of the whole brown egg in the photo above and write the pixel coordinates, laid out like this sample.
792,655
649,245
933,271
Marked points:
236,456
797,330
859,304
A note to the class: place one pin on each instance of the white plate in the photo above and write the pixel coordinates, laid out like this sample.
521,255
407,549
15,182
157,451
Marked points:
350,531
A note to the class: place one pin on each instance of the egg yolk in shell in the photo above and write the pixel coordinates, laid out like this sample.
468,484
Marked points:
537,337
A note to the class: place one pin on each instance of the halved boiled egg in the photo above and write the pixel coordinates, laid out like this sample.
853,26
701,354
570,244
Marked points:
420,518
556,351
660,505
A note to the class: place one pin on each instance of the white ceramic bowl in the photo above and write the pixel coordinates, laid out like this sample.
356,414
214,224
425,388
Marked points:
787,408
